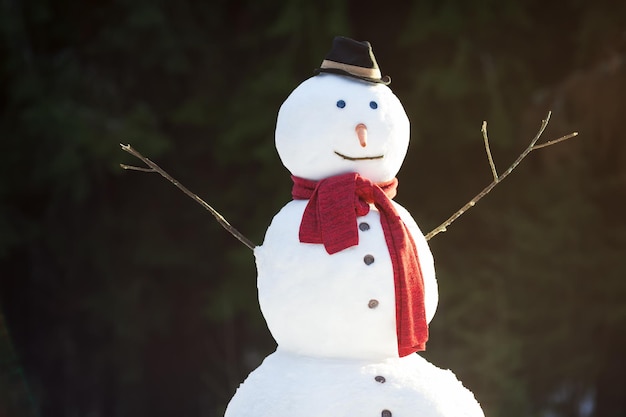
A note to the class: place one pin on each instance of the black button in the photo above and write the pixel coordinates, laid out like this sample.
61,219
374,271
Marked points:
373,304
380,379
364,226
368,259
385,413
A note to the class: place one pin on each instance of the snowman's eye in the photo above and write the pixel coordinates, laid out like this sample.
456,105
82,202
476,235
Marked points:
373,105
341,104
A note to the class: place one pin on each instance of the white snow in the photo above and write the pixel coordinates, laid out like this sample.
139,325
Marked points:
294,385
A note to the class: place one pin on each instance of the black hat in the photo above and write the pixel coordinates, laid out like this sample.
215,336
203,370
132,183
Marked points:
354,59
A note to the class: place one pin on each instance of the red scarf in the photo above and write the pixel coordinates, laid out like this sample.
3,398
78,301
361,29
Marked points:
330,218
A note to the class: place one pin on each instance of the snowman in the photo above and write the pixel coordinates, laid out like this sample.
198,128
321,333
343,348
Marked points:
346,280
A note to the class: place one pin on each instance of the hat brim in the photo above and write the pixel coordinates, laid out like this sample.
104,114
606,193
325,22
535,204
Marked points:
386,80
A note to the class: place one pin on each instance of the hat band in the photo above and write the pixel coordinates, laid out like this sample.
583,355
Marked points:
352,69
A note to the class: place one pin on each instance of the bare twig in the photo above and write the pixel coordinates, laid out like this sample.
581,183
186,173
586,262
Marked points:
134,168
531,147
483,129
552,142
155,168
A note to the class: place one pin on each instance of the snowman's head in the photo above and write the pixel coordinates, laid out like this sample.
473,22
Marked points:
332,124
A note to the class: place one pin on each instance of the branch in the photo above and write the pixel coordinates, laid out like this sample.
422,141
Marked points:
155,168
483,129
531,147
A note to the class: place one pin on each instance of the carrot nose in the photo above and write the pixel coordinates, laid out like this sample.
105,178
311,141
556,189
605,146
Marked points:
361,132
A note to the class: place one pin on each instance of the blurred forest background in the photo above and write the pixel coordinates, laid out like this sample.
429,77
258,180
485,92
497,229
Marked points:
122,297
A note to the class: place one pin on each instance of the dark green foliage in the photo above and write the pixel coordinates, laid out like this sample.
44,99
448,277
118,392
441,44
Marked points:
15,399
124,298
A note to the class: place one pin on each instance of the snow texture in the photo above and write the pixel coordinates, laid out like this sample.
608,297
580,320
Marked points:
300,386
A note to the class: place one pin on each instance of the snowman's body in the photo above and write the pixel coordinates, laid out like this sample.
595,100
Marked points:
337,305
334,315
299,386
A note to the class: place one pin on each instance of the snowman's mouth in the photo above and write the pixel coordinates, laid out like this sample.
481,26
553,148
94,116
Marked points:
362,158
